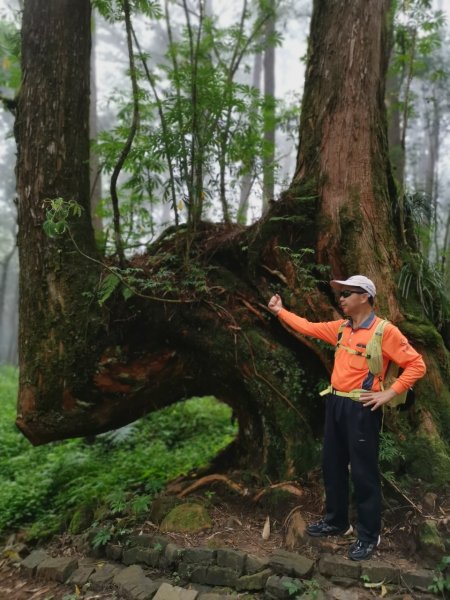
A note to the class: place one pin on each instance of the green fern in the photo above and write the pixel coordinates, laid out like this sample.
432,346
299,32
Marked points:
425,281
108,285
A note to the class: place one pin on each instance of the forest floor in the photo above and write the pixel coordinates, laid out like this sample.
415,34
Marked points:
239,519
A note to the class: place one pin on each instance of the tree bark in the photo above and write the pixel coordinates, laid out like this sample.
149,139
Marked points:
57,330
147,353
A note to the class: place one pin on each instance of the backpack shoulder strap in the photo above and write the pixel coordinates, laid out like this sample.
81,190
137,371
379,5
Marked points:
342,326
374,348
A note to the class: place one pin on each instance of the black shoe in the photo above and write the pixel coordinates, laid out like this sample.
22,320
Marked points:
362,550
324,529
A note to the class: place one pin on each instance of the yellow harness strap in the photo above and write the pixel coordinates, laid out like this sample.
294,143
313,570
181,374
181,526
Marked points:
354,394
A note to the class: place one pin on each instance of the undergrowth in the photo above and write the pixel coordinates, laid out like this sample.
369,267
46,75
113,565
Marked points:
41,487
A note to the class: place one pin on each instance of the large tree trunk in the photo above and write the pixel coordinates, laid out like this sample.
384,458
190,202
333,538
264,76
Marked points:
153,352
57,332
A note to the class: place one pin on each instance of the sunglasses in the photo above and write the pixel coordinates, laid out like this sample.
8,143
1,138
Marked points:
348,293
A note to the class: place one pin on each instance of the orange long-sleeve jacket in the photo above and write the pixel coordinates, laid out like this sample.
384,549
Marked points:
350,371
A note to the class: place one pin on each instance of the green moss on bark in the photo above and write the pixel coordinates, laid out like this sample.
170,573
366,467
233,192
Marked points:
427,458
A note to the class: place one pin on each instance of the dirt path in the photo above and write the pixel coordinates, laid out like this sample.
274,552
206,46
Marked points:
15,587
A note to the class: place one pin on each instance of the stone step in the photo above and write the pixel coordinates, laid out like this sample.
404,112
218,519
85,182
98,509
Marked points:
158,570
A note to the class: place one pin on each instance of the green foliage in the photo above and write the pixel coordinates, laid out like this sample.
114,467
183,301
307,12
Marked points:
293,586
10,73
391,455
302,588
107,287
389,448
424,281
101,538
47,484
441,583
417,34
112,10
307,271
58,213
168,279
140,504
200,130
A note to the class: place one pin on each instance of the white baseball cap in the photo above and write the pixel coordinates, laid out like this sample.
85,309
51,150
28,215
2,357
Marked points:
356,281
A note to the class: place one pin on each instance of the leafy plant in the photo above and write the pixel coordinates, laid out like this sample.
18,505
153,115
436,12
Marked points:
101,538
305,269
293,586
423,280
10,73
140,504
117,502
302,588
57,215
389,448
41,487
441,583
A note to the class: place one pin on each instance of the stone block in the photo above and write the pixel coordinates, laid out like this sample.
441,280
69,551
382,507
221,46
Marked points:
376,570
231,559
104,575
192,572
148,540
337,593
200,556
290,563
128,578
32,561
81,575
418,578
113,551
171,556
339,566
146,556
57,569
220,576
170,592
200,588
254,582
133,583
144,590
253,564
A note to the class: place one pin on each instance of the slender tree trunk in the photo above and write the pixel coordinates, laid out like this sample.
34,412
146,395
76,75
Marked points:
431,181
396,152
269,112
3,283
248,178
11,354
95,171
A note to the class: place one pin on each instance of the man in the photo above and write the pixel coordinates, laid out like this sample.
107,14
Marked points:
353,416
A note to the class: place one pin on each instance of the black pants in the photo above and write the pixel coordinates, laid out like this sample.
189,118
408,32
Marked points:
351,437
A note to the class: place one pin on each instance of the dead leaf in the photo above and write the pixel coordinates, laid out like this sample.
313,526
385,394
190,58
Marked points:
266,529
